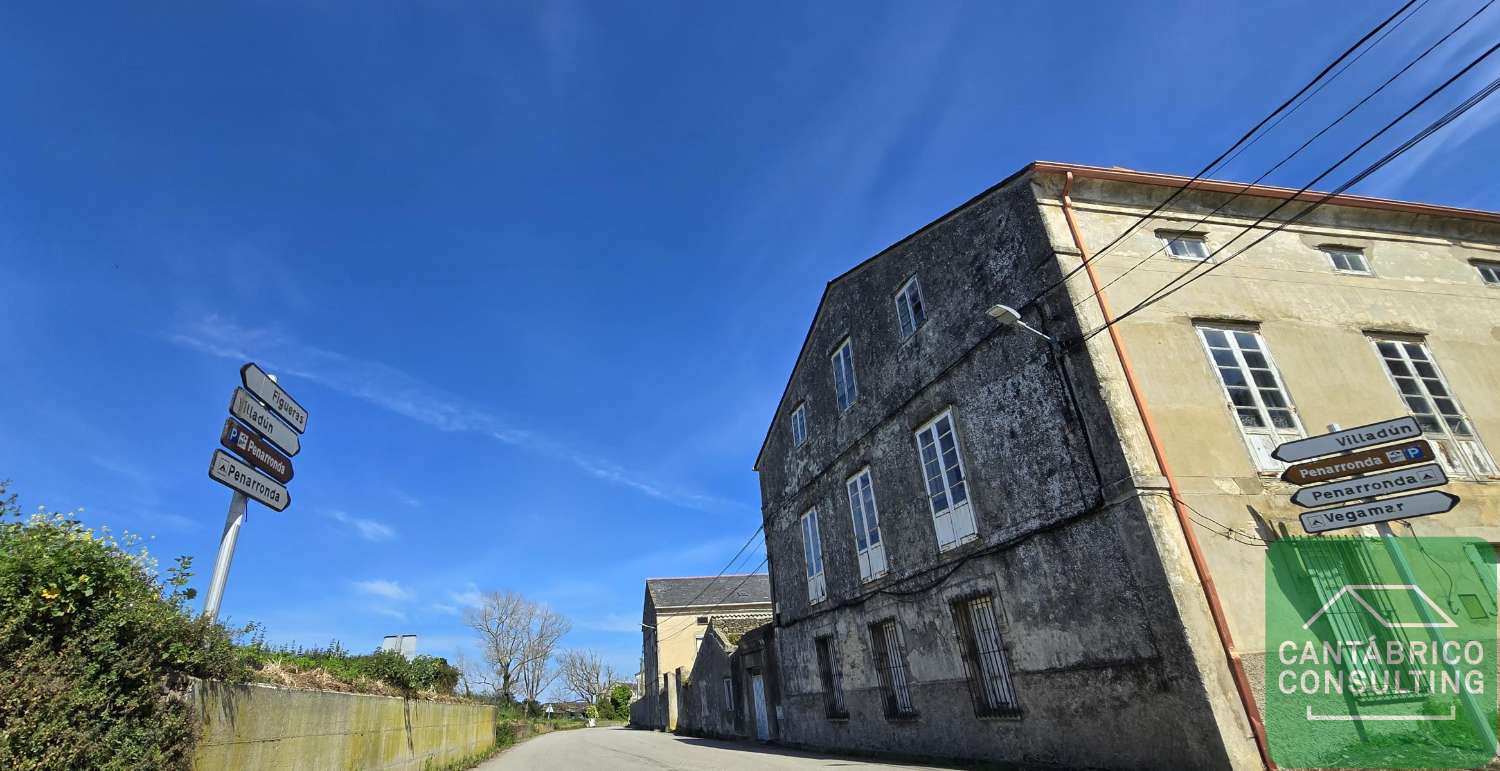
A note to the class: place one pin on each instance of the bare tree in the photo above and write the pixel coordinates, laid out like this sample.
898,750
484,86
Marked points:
584,674
502,620
544,628
518,637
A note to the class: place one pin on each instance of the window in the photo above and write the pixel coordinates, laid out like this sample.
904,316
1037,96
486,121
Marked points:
866,526
728,694
845,386
703,619
1257,397
985,662
1185,246
910,311
1489,271
799,425
1346,260
1422,386
831,677
890,663
812,557
947,491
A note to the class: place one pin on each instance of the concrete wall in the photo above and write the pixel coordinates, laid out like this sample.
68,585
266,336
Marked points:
1106,670
279,729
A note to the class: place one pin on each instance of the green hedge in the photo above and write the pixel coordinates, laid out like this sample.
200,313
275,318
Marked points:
95,643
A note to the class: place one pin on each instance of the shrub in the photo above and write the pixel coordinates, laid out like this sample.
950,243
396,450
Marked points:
423,674
93,639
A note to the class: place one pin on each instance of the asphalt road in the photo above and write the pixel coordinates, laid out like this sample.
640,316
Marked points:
622,749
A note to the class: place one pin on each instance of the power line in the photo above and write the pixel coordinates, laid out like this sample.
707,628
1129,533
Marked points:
1215,162
728,565
725,599
1168,289
1299,150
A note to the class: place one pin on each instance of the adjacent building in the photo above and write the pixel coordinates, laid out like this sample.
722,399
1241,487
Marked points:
732,691
674,621
1039,536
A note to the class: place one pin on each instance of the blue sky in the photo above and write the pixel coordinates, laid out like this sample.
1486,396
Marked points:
539,271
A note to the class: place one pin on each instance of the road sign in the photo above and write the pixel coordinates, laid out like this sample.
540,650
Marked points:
1384,510
1348,439
1378,459
259,383
230,472
258,452
1400,481
247,408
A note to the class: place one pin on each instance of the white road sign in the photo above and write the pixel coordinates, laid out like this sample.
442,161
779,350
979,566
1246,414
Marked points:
1384,510
259,383
247,408
228,470
1399,481
1349,439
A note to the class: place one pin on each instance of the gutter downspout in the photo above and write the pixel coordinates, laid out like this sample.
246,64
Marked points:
1200,565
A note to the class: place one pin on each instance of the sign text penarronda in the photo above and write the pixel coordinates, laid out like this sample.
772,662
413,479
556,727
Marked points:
258,452
1348,439
1399,481
1378,459
228,471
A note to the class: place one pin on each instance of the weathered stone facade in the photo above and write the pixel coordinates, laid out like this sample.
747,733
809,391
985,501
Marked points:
1110,649
718,699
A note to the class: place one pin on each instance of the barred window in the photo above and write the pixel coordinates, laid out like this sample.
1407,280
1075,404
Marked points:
831,677
985,661
890,663
1424,389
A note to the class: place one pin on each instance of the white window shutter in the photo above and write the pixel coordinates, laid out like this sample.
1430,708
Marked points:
864,565
817,588
963,521
943,524
877,559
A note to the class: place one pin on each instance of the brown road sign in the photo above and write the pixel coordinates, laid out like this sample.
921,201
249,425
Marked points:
1354,463
258,452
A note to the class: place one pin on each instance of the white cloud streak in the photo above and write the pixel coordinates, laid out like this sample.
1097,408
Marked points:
368,529
380,587
391,389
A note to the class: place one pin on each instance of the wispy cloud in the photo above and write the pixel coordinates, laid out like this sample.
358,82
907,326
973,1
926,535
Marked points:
468,598
368,529
391,389
380,587
388,612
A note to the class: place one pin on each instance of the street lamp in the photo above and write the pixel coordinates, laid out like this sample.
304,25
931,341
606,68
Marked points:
1009,317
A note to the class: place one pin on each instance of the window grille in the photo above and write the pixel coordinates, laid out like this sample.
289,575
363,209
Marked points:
985,660
831,677
890,663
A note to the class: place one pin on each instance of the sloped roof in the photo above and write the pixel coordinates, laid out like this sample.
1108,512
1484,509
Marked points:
734,626
698,591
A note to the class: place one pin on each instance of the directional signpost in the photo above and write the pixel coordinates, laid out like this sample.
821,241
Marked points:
241,477
1394,445
1384,432
1405,480
1382,510
263,430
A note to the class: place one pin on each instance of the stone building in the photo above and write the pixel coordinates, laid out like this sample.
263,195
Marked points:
987,545
674,618
731,693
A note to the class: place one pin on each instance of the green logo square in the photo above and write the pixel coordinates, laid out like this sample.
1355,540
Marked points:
1380,653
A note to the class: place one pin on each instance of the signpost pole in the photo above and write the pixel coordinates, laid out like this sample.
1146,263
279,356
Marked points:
231,535
1403,568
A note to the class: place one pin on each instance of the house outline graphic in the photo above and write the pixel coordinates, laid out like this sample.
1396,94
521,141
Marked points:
1351,589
